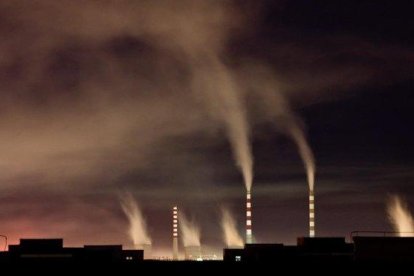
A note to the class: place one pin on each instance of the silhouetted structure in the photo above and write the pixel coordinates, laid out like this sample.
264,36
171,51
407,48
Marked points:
175,233
309,252
263,252
307,249
52,250
384,249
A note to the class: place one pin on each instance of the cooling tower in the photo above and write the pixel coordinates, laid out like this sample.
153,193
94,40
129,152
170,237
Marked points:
311,214
175,233
193,253
249,234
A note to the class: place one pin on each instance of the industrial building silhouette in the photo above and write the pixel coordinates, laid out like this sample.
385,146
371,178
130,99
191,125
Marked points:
307,249
329,250
52,250
317,251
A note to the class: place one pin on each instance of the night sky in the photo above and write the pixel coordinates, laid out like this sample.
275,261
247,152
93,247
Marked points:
97,100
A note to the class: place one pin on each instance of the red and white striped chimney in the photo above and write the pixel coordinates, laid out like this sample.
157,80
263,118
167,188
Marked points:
175,233
311,213
249,234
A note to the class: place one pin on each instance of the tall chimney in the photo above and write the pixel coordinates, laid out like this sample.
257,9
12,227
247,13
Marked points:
249,235
311,214
175,233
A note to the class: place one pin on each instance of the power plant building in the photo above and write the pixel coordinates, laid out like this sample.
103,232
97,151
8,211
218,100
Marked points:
52,251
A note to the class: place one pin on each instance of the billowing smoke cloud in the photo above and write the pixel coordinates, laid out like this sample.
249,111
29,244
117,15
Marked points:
212,80
223,96
190,231
262,81
97,74
400,217
108,71
137,225
231,236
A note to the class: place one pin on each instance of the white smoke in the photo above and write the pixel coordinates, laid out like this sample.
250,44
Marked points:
137,225
400,217
305,153
261,81
190,231
223,97
214,81
231,236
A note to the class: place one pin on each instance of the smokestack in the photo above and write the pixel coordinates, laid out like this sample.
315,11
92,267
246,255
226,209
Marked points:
175,233
311,213
249,234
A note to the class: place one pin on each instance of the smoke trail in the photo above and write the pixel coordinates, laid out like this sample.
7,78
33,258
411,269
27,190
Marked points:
305,153
223,98
230,234
260,79
400,217
237,131
201,32
137,225
190,232
237,126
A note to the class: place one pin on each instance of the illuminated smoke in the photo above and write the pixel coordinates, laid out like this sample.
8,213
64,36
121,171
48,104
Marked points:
261,80
137,225
190,232
201,32
305,153
400,217
230,234
223,98
233,113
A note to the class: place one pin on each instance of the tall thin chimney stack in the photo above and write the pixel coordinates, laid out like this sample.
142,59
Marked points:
311,213
249,234
175,233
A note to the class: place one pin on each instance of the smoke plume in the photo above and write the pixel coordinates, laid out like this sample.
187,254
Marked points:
305,153
223,97
190,232
137,225
400,217
273,101
231,236
213,81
